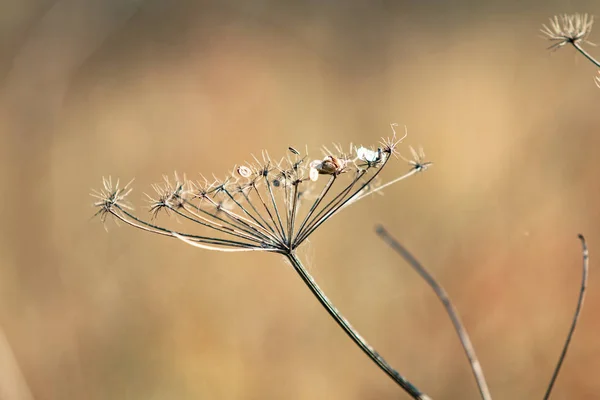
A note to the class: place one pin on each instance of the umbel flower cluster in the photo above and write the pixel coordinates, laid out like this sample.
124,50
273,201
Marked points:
271,205
266,205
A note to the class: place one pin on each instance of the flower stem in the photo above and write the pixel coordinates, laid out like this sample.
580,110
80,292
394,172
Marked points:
350,331
586,54
584,279
440,292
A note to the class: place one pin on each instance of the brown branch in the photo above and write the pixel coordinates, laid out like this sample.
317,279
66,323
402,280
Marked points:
452,313
584,279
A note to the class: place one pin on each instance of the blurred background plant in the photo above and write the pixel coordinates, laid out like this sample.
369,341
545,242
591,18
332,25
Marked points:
138,88
572,29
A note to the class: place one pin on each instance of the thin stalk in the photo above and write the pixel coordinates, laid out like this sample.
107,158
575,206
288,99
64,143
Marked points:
196,219
351,332
584,279
359,196
275,208
232,222
340,204
218,227
148,227
241,207
340,197
239,219
286,198
317,202
281,234
258,213
484,391
349,201
266,233
205,247
585,54
293,210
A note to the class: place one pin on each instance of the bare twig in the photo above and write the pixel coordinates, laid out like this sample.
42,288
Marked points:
584,278
443,296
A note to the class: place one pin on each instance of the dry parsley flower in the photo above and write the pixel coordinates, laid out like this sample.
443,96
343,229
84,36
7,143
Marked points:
568,29
418,159
111,197
268,205
262,205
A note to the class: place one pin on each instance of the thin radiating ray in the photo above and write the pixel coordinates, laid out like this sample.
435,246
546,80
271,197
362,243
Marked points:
264,204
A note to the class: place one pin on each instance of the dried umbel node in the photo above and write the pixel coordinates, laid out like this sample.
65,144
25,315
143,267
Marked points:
573,30
111,197
568,29
266,205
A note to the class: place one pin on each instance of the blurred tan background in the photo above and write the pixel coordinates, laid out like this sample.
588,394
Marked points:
142,88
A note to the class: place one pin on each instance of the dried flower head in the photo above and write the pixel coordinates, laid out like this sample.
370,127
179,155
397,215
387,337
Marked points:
169,195
418,159
388,145
268,206
330,165
263,206
111,197
568,29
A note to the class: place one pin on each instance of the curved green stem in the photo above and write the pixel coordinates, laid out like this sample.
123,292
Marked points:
351,332
586,54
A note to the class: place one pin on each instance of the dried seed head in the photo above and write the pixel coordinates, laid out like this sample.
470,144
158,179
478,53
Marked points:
159,203
418,159
220,186
169,195
111,198
568,29
389,144
330,165
269,205
200,189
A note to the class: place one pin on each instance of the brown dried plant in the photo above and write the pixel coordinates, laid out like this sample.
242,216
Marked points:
270,205
574,30
460,329
276,205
